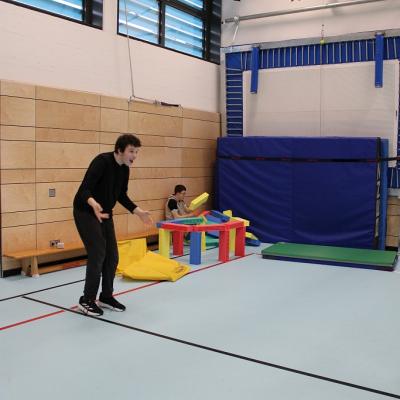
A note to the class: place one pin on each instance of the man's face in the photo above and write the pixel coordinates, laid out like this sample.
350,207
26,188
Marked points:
181,195
129,154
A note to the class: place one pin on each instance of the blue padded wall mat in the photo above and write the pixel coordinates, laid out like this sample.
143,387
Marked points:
317,202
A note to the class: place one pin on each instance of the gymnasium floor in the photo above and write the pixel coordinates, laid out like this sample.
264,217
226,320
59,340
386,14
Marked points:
250,328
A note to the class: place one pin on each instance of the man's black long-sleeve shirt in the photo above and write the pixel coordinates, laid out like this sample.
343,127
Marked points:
107,182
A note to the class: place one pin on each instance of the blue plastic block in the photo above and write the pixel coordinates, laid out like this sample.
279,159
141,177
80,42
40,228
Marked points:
195,248
220,215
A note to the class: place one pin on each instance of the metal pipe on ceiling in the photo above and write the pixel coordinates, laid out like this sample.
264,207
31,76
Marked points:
299,10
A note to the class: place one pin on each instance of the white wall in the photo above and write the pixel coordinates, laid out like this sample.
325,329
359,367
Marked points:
332,100
361,18
45,50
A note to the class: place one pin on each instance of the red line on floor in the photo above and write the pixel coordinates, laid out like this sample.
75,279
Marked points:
30,320
2,328
137,288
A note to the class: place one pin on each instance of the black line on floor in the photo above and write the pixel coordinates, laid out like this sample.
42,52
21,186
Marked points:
69,283
41,290
226,353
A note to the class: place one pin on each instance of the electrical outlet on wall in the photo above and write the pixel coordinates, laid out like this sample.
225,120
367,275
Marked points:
53,243
52,192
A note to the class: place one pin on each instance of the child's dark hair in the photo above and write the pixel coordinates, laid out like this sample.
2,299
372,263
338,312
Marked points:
179,188
125,140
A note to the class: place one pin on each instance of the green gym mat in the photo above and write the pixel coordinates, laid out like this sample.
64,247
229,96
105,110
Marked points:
343,256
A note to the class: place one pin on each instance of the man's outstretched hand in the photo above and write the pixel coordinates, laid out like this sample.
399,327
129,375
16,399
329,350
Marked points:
144,216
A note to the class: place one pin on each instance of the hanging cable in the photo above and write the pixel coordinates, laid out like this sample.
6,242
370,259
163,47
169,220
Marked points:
237,21
132,96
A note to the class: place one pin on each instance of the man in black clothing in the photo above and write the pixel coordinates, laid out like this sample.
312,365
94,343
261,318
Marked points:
105,183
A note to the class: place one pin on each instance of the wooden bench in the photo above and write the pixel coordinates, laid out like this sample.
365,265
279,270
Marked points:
29,258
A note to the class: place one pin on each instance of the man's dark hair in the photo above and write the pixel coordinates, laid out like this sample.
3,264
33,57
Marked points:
125,140
179,188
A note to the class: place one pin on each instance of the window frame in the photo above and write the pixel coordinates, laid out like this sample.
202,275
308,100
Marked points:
204,14
87,13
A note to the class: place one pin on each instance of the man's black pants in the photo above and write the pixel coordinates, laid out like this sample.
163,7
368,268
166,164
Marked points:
102,253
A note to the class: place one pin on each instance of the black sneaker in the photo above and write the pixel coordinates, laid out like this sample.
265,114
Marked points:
111,303
89,307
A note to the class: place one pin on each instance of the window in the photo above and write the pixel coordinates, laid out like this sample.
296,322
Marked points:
89,12
139,19
189,26
183,32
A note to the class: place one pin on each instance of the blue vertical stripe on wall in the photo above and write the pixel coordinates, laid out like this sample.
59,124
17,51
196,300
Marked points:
255,63
379,52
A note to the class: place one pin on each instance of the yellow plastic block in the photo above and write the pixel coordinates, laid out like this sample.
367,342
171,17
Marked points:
232,232
164,240
251,236
203,241
246,221
232,239
198,201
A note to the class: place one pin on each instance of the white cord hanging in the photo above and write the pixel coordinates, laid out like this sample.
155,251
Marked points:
132,97
237,22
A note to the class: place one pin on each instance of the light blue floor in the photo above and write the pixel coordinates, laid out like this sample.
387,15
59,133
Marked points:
19,285
16,310
336,322
82,358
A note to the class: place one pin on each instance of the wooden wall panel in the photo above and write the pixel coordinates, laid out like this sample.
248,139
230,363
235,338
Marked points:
163,157
114,120
153,124
65,155
17,111
121,224
150,189
17,176
64,194
17,154
51,114
57,175
393,221
9,132
148,108
66,135
18,197
54,215
114,102
16,89
19,218
193,128
67,96
48,137
199,158
152,172
62,230
18,238
201,115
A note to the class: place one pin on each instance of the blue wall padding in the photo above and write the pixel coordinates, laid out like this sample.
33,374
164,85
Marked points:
379,48
316,203
383,195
